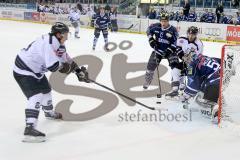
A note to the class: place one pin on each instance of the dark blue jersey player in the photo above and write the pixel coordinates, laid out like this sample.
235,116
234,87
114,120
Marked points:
203,77
101,24
162,38
203,72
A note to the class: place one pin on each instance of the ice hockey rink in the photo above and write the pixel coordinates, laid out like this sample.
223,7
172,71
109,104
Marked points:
105,137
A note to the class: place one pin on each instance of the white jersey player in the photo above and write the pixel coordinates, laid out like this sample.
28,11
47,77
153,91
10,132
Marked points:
185,45
74,17
46,53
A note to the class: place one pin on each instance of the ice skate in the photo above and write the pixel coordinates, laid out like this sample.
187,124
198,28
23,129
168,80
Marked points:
172,95
76,36
53,115
106,47
31,135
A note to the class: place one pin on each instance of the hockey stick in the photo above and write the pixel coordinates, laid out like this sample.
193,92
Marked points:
127,27
133,100
159,82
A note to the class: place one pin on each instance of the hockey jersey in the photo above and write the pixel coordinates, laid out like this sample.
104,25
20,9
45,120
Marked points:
40,56
210,18
203,72
238,20
192,17
165,37
102,21
185,46
74,16
227,20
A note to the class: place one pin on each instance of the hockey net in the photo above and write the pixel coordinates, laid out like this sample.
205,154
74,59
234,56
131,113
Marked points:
229,97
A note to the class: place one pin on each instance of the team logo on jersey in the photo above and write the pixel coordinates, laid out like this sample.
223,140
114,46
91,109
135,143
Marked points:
193,49
37,105
161,35
168,35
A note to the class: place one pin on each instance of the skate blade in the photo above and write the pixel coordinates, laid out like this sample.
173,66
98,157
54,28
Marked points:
31,139
59,118
54,119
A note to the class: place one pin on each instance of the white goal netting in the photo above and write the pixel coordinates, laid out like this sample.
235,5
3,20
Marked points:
229,98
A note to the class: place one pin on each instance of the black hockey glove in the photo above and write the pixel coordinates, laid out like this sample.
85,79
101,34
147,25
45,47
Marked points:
173,61
153,42
169,52
67,68
180,52
184,72
184,69
82,74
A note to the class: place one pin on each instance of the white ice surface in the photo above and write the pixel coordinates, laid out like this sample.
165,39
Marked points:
104,138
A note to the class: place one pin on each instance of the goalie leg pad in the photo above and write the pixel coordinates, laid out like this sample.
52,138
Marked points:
212,93
208,108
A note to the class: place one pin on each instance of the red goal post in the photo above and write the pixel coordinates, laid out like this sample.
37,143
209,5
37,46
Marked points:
229,97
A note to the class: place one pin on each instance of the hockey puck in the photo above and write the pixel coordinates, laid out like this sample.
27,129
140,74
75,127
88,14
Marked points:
159,102
159,96
185,106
